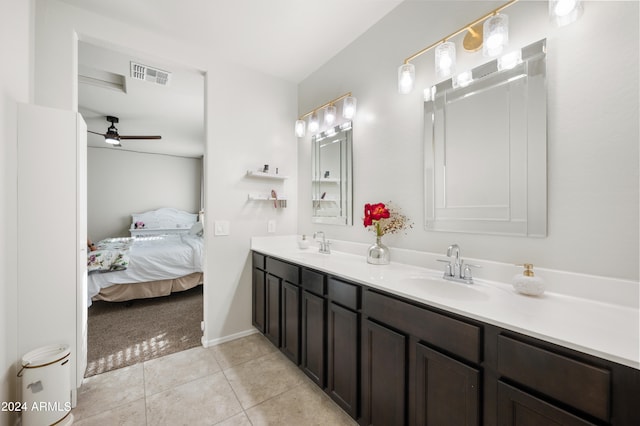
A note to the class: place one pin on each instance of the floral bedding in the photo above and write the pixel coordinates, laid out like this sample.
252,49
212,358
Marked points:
111,254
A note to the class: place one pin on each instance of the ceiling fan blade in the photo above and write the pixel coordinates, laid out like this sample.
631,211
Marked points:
95,133
140,137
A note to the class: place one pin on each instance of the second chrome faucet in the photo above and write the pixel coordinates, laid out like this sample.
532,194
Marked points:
455,269
325,245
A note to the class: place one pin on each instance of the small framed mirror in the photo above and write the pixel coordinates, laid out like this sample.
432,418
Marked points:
485,145
332,175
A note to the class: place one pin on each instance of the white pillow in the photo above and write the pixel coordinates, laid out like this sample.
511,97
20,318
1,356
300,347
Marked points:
196,229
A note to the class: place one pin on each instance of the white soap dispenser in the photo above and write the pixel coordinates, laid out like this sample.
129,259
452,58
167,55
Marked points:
527,283
303,242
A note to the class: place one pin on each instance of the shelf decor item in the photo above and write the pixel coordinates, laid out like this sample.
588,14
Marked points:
383,219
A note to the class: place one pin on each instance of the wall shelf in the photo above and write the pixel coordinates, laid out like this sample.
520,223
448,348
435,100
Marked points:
266,197
263,175
335,180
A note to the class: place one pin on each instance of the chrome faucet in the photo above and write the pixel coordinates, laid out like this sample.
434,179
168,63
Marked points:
324,244
456,270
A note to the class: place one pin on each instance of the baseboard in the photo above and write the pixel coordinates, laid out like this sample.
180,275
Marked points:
214,342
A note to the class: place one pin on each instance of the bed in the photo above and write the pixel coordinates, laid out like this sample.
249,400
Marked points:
163,255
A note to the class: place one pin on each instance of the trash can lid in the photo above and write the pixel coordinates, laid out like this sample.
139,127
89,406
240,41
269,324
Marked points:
45,355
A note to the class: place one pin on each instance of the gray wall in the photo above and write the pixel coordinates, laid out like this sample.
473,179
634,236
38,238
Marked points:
120,183
592,78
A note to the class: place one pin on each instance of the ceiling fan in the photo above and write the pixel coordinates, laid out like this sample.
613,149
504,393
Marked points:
113,137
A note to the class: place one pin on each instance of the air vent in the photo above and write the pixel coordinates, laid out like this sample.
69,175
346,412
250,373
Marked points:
152,75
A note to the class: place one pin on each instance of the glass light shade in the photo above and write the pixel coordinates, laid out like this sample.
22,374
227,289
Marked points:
510,60
463,79
495,35
406,77
300,128
445,60
330,115
314,123
563,12
349,107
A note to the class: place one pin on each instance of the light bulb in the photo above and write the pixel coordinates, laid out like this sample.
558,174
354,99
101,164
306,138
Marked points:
445,59
406,77
314,123
349,107
329,115
563,12
495,34
300,128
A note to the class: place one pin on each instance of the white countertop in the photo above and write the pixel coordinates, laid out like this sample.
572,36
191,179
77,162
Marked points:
604,330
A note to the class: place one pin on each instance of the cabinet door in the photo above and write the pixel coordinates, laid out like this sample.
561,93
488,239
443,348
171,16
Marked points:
446,391
272,311
384,366
313,337
342,362
258,300
290,321
517,408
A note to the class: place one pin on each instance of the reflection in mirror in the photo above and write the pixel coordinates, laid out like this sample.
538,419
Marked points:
331,169
486,150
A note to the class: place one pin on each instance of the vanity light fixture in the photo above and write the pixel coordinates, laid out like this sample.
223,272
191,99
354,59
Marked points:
495,35
472,42
445,59
563,12
330,114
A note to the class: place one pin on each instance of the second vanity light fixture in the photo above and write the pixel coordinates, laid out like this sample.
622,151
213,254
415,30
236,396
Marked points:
330,114
490,31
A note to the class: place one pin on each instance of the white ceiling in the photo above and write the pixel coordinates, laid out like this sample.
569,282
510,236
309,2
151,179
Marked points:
288,39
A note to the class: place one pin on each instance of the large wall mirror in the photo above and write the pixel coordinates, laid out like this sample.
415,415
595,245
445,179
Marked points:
486,150
332,170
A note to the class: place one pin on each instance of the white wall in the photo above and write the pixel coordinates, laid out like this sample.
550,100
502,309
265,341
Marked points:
592,77
122,182
16,42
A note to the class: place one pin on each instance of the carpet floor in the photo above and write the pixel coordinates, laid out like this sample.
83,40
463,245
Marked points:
120,334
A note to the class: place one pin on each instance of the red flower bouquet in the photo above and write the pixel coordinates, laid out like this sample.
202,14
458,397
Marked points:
385,219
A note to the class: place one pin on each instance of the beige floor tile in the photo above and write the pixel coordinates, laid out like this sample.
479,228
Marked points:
303,405
107,391
176,369
237,420
242,350
204,401
260,379
132,414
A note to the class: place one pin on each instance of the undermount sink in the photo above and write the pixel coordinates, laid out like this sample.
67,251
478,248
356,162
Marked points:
442,288
311,255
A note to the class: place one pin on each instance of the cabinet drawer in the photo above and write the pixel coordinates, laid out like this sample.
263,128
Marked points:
313,282
344,293
580,385
284,270
258,260
452,335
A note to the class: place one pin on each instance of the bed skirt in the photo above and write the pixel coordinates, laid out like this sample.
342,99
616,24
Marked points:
125,292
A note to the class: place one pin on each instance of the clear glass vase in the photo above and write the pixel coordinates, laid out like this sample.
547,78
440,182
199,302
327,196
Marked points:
378,254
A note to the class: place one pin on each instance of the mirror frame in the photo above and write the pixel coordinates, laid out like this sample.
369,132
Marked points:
344,183
524,214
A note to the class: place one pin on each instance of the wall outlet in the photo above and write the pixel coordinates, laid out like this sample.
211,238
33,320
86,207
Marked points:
221,227
271,226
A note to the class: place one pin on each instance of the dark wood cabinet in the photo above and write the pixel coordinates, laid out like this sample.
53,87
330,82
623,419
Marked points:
342,353
388,360
272,309
258,299
313,361
447,392
384,366
290,321
517,408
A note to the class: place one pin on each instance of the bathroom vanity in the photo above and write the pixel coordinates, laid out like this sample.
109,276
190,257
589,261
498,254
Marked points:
391,346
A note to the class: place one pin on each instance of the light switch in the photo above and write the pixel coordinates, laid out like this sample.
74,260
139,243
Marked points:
271,226
221,227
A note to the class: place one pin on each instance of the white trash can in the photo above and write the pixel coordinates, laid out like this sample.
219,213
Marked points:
46,386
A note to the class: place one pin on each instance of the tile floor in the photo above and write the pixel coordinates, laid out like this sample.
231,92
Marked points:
243,382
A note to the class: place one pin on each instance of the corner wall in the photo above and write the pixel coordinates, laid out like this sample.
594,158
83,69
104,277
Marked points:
593,132
16,42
